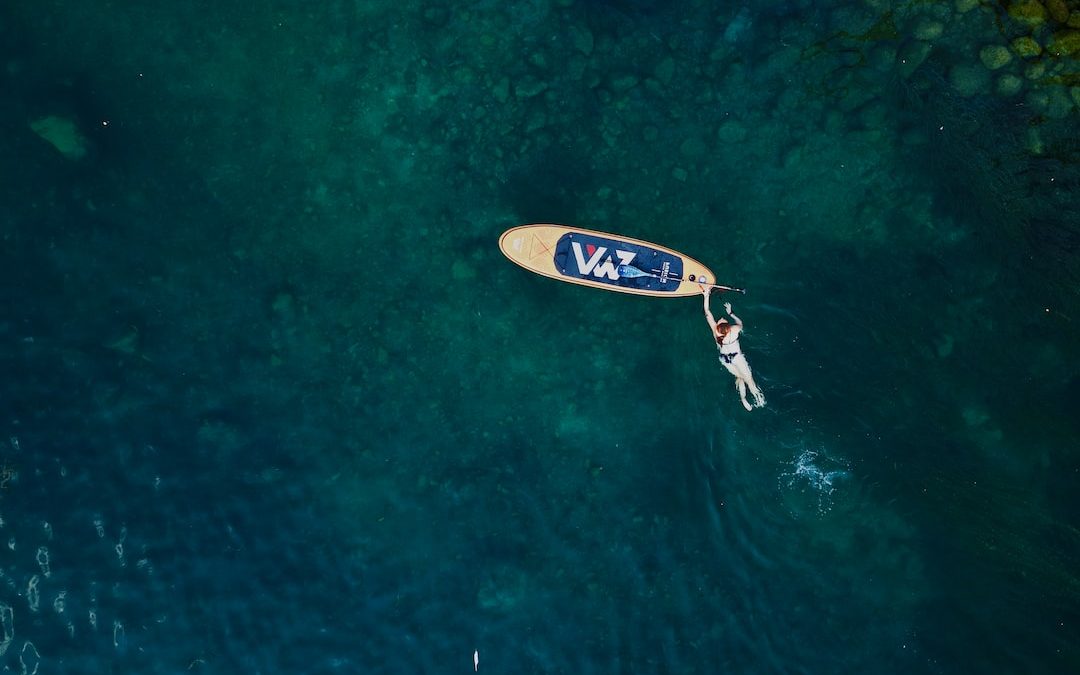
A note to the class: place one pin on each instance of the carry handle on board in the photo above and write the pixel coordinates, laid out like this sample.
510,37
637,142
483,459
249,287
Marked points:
631,272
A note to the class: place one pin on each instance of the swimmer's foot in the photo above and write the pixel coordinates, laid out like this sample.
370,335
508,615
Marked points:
746,404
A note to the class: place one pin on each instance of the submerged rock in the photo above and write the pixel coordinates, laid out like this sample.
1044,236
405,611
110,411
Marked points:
738,26
1029,12
1058,103
1058,10
1009,85
529,86
63,134
968,80
994,56
1026,47
582,39
928,29
1064,43
731,131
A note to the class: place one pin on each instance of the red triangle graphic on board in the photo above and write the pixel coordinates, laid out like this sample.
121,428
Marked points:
590,249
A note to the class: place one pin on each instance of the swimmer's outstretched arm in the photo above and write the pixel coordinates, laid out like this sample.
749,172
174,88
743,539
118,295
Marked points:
705,291
727,308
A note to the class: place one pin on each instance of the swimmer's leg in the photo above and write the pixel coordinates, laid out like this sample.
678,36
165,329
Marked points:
740,385
759,398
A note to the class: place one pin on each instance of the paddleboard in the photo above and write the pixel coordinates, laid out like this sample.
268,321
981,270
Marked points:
603,260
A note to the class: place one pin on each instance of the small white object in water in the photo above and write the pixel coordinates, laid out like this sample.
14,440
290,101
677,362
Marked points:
476,660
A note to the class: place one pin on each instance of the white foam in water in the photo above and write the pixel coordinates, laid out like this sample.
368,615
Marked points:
30,656
43,561
119,639
813,472
7,626
144,565
32,595
33,579
120,547
58,603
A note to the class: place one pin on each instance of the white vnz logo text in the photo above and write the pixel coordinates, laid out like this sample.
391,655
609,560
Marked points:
593,266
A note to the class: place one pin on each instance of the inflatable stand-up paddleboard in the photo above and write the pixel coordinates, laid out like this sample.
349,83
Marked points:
607,261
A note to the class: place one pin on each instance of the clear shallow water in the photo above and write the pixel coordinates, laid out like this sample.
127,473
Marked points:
275,402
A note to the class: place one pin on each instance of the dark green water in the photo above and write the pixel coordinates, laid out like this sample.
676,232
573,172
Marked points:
274,402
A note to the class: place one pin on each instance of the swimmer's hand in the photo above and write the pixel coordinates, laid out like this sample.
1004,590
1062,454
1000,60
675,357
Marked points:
727,307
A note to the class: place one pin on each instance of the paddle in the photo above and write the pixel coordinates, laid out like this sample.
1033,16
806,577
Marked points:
631,272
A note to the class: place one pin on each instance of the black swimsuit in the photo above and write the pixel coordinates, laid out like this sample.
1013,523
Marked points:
727,357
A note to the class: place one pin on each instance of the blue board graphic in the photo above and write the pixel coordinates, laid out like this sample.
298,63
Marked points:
598,259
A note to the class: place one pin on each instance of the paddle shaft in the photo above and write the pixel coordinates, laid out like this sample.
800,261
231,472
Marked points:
642,273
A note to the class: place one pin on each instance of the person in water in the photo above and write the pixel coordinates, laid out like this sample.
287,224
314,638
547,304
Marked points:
726,333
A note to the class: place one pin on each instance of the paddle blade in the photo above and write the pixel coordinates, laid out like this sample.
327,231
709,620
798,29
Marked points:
631,272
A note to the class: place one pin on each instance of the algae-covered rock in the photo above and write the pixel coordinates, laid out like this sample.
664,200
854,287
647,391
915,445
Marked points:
994,56
624,82
529,86
1029,12
969,80
665,70
1074,94
1026,47
582,39
501,90
928,29
1058,103
1009,85
966,5
694,146
1064,43
1034,141
1038,100
731,131
1057,10
1074,19
63,134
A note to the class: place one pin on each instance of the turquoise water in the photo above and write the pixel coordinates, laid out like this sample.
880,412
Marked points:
273,401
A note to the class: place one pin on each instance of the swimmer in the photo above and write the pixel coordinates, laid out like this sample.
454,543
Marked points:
726,333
